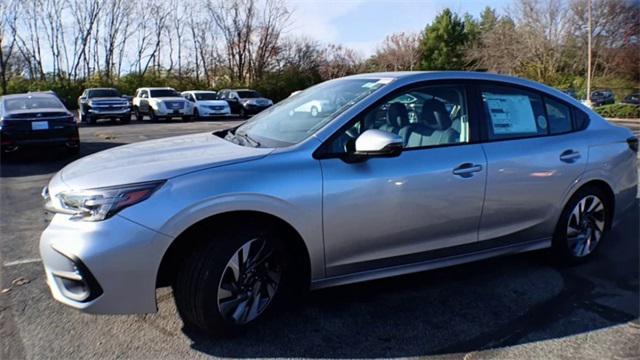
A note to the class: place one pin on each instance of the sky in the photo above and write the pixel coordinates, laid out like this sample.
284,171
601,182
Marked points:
362,24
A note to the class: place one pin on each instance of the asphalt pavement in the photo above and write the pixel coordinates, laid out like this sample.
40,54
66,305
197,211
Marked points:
522,306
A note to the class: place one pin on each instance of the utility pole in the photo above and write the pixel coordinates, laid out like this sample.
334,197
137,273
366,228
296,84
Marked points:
589,58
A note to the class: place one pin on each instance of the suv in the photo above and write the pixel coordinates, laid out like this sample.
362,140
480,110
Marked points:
161,103
103,103
412,171
602,97
244,102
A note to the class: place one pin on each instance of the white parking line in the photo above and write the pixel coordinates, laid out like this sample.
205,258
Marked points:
20,262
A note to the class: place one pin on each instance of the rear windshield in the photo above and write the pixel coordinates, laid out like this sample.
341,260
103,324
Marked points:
30,103
249,94
206,96
103,93
164,93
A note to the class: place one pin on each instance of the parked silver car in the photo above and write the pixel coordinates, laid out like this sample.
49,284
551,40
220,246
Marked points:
410,172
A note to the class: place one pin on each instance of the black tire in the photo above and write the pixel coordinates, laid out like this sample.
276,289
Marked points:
136,112
187,118
126,119
196,114
152,115
196,287
566,248
90,119
242,113
73,151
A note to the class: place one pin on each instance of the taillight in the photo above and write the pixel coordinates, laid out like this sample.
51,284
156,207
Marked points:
633,143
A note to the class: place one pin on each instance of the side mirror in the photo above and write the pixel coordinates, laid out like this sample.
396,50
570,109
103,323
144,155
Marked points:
378,143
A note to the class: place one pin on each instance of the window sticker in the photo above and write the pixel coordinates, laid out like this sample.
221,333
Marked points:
510,114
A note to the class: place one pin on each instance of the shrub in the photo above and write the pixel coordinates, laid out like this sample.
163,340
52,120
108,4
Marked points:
621,111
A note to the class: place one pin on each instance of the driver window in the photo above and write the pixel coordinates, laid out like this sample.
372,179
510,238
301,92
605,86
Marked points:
422,117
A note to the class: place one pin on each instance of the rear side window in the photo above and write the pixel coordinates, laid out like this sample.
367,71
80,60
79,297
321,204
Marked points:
581,120
513,113
558,116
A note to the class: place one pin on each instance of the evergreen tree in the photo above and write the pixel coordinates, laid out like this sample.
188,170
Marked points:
443,43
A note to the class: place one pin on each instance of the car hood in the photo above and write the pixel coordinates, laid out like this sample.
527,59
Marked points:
170,98
256,100
155,160
113,98
212,102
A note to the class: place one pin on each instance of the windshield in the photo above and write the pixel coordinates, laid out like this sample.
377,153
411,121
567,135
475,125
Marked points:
103,93
297,117
248,94
31,103
206,96
164,93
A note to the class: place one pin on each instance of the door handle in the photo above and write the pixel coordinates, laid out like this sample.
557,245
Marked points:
569,156
467,169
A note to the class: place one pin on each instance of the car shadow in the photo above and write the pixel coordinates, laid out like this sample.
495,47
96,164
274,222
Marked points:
39,161
484,305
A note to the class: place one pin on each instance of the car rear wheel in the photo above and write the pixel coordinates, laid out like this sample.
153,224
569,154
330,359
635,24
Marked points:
242,113
582,225
234,278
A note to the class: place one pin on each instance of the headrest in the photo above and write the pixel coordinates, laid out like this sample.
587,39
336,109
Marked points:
435,115
397,115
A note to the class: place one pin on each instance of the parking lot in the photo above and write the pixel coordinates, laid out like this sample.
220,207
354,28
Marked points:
520,306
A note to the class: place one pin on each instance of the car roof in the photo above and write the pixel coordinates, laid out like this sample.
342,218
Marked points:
29,95
101,88
408,77
157,88
200,91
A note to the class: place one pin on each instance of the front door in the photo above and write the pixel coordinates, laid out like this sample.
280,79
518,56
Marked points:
390,211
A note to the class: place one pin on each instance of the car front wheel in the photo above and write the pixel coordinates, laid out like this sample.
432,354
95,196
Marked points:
231,280
582,225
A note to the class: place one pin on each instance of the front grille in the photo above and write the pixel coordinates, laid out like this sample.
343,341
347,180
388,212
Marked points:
174,105
216,107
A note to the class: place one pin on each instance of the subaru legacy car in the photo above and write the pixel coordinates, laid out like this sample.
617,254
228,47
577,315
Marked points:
411,171
36,120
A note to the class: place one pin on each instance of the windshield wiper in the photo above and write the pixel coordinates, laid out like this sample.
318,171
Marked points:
247,138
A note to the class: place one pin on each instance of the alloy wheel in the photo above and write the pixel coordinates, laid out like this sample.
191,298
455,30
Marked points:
586,225
249,282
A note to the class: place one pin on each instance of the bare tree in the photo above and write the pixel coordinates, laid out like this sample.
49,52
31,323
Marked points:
399,51
85,14
338,61
8,20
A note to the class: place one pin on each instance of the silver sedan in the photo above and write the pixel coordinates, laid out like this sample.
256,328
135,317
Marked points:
407,172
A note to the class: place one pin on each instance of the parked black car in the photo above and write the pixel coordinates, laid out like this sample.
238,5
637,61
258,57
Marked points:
244,101
37,119
103,103
633,99
602,97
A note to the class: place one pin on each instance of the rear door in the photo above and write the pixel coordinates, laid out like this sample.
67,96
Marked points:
533,157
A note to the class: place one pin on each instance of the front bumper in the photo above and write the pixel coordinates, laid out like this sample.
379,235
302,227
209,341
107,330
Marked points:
105,267
161,111
110,113
251,109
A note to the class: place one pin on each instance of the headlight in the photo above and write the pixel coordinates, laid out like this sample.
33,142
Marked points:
100,204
